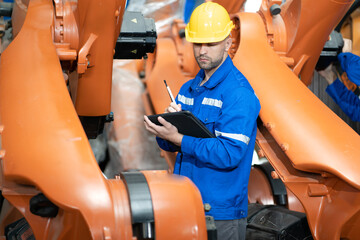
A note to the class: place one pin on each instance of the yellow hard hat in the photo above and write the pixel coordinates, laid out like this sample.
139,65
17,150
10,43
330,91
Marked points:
209,22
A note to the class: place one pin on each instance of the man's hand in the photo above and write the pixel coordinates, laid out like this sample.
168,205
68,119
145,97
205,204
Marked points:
173,108
329,74
347,45
167,131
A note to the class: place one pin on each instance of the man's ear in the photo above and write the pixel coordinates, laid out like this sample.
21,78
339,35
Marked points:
228,43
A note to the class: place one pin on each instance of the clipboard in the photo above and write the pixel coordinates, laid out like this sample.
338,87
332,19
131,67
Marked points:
185,122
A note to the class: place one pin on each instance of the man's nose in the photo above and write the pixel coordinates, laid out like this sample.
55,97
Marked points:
203,49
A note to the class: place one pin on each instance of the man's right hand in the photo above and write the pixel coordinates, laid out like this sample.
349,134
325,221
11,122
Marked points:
173,108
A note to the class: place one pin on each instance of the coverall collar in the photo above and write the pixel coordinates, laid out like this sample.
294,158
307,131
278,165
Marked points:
218,76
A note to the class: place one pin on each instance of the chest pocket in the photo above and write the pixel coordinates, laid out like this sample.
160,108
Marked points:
209,115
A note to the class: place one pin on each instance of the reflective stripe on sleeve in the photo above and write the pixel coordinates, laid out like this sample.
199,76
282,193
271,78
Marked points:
240,137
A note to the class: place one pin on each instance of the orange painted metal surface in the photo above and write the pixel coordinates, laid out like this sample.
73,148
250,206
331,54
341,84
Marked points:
231,6
18,15
93,95
258,180
189,210
50,149
306,31
293,100
309,136
350,28
43,147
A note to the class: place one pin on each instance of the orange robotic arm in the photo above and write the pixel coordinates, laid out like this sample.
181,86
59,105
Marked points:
312,150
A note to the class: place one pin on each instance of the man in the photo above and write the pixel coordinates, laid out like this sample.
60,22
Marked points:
349,101
221,97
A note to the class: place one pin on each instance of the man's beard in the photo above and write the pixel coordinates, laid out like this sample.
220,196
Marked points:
210,64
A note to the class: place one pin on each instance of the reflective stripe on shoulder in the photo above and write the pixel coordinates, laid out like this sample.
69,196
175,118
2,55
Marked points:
185,100
240,137
212,102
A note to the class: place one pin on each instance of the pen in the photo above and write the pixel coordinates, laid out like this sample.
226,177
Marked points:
169,91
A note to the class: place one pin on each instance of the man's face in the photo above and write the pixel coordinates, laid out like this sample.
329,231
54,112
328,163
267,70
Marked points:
210,55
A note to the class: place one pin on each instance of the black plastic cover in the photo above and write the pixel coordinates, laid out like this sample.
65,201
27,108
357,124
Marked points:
19,229
330,51
94,125
211,228
6,9
271,222
43,207
142,213
137,36
277,186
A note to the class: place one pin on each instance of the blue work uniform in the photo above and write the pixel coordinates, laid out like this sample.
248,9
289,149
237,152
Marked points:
346,99
342,96
220,166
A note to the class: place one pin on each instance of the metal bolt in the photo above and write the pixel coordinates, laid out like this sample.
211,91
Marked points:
260,153
109,117
284,146
207,207
275,9
142,74
274,175
270,126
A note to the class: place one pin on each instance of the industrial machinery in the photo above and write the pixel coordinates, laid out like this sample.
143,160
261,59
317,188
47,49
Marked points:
55,91
55,82
312,155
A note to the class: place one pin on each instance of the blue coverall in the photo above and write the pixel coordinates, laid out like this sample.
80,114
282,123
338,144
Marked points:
220,166
346,99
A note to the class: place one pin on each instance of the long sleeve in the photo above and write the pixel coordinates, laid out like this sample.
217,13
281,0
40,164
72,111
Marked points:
345,98
233,129
166,145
